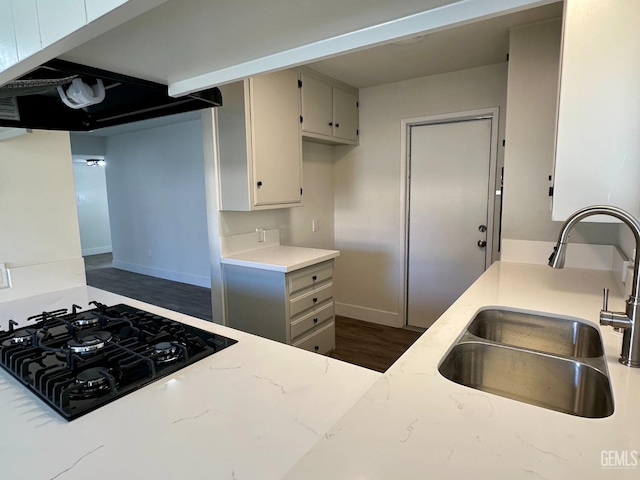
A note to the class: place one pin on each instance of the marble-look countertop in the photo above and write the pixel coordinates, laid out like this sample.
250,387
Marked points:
280,258
247,412
415,424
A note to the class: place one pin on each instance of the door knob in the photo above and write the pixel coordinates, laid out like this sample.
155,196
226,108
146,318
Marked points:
482,228
482,243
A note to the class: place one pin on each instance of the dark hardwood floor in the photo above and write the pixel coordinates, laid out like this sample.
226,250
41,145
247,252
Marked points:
369,345
361,343
181,297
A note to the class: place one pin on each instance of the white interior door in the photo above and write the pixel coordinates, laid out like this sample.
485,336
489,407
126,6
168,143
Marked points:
448,197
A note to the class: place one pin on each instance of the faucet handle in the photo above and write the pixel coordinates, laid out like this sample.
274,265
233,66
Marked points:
605,299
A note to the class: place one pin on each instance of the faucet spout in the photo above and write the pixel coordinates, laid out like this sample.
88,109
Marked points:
627,320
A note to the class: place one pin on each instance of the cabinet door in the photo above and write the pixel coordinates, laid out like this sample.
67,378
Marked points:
597,149
59,19
25,20
276,138
345,114
317,108
8,49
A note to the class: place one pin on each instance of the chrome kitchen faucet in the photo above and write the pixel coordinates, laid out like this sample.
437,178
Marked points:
627,320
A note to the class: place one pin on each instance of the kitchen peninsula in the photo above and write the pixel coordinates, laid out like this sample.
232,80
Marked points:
260,409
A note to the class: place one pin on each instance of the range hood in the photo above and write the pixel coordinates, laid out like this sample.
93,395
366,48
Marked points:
37,100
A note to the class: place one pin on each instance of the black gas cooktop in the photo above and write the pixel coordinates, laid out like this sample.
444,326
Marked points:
80,360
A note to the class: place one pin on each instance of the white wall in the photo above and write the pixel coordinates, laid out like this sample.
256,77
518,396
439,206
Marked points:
40,240
88,145
93,208
534,56
368,216
157,204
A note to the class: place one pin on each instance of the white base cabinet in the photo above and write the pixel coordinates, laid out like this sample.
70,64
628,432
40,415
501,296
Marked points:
259,143
329,110
294,308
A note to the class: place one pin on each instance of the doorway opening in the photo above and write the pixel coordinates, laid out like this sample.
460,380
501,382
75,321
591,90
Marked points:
449,208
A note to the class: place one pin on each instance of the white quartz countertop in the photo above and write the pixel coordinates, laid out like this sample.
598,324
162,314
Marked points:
247,412
263,410
415,424
280,258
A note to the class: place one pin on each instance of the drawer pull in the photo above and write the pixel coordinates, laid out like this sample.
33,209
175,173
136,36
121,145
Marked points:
315,320
314,278
316,348
315,299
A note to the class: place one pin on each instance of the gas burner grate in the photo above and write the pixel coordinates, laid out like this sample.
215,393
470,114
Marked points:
81,360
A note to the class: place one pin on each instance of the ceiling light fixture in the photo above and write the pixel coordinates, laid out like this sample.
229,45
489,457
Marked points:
95,163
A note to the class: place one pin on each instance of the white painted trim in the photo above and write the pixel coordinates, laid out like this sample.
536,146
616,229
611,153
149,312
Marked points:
579,255
96,250
406,124
371,315
447,16
166,274
42,278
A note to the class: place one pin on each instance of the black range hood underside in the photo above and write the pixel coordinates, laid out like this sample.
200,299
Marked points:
127,99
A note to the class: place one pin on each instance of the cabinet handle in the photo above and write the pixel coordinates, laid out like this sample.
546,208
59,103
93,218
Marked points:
316,348
259,184
314,278
315,320
331,124
337,125
315,299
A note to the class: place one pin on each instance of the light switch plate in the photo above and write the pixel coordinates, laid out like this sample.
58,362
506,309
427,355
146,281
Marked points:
5,279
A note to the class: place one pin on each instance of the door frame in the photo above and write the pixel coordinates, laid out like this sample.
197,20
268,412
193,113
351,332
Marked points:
492,113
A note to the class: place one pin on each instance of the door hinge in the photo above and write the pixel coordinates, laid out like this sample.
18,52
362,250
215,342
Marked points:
551,191
301,118
504,142
299,83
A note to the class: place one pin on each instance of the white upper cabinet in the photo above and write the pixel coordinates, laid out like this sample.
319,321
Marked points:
329,110
259,143
25,20
97,8
345,114
317,106
597,148
8,46
60,18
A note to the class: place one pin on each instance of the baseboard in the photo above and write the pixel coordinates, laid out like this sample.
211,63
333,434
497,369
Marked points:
96,250
371,315
44,278
165,274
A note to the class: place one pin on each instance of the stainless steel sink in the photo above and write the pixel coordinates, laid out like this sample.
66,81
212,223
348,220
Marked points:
557,336
556,383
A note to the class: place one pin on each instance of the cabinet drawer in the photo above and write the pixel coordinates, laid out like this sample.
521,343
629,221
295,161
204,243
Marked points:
310,277
310,300
311,320
322,341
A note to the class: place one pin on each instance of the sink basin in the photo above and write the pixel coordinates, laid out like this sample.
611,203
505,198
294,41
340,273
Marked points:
556,336
556,383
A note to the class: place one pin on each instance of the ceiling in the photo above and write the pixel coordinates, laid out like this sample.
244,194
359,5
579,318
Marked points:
473,45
